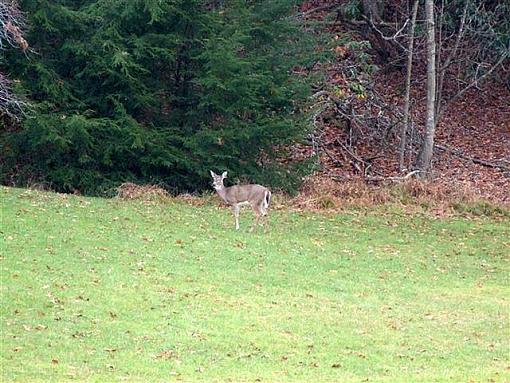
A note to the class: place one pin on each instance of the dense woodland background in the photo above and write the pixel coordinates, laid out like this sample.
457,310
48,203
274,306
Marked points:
95,93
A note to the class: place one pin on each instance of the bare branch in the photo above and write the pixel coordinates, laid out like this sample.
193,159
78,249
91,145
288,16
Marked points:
448,61
12,24
387,38
10,105
473,84
326,7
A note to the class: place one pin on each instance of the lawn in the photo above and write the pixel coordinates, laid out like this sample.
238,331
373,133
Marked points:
108,290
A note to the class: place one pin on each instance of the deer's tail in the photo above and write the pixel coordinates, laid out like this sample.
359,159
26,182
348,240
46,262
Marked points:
267,198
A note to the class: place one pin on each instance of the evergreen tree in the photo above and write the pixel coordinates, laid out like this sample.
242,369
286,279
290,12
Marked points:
157,91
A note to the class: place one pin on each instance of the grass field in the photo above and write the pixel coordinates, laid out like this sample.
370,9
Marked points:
107,290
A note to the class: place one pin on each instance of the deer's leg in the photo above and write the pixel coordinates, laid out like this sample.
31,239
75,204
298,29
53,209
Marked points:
265,222
256,218
255,222
235,210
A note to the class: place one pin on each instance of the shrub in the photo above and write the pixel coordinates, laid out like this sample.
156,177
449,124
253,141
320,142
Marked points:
157,92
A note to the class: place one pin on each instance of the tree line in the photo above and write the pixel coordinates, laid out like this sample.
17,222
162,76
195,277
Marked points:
445,47
94,93
153,92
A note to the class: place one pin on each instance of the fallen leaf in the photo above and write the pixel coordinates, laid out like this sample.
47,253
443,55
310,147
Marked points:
165,354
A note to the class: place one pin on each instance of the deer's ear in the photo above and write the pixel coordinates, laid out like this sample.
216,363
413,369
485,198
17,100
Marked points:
224,175
212,173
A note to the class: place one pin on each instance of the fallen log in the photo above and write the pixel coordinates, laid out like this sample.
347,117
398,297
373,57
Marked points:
375,179
475,160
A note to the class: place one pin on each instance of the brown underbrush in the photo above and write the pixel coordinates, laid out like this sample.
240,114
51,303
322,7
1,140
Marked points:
325,194
321,193
129,190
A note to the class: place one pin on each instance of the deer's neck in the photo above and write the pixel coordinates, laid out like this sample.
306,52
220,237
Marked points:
223,194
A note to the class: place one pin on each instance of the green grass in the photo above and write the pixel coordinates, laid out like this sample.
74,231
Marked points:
104,290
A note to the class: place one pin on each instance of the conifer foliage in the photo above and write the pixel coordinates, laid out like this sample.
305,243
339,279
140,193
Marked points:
156,91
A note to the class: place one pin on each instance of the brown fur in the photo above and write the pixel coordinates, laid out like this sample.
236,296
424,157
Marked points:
257,196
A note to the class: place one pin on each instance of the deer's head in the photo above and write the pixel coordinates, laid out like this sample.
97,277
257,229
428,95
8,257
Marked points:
218,180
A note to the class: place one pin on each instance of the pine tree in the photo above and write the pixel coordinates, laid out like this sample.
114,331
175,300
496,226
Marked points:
150,91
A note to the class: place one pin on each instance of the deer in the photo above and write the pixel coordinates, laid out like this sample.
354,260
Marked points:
257,196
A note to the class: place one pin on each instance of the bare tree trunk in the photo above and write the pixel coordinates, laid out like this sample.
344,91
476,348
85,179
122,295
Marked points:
404,127
373,9
424,159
